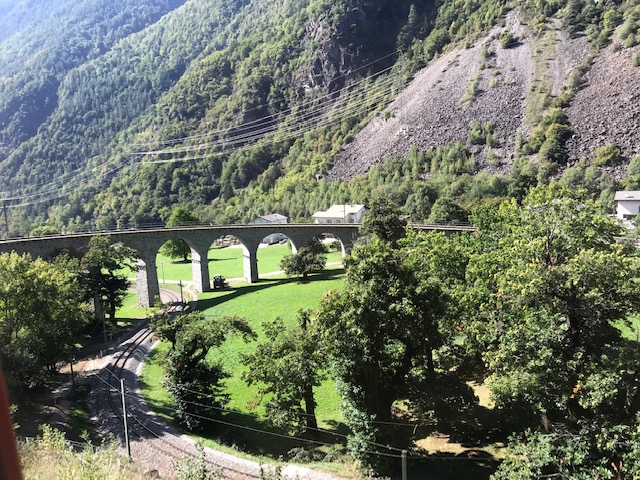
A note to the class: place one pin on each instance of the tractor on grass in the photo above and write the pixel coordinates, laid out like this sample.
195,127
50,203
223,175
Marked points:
219,282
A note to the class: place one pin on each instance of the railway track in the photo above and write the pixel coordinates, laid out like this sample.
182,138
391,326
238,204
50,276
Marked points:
152,441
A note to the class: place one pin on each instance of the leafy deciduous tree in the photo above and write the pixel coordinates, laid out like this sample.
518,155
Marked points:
383,219
377,330
41,311
311,258
101,276
289,365
178,248
194,383
547,295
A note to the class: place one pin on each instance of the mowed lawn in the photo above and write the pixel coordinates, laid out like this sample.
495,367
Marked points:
225,261
259,302
264,302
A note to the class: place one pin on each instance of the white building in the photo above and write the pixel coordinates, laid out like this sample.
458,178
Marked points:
272,218
627,204
340,214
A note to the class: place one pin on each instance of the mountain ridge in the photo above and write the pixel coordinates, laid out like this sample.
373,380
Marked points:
502,81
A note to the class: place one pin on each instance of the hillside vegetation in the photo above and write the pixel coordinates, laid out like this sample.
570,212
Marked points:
112,115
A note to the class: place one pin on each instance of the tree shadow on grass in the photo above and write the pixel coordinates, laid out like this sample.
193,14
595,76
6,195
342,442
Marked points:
180,261
230,259
256,436
230,293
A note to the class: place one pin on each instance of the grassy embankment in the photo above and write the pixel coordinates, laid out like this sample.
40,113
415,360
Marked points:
274,297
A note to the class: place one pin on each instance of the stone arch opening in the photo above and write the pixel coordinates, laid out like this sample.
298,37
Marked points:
334,243
225,257
271,250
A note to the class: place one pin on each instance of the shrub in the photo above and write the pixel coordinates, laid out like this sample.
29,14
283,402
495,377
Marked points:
607,156
472,89
507,39
195,468
302,455
482,134
51,455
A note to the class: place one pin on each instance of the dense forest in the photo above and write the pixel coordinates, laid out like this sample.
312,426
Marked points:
114,115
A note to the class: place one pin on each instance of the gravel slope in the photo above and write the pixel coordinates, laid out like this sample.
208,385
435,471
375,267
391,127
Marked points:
433,109
606,109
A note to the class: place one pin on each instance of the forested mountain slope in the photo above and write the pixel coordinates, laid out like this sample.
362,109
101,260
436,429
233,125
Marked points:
41,42
114,113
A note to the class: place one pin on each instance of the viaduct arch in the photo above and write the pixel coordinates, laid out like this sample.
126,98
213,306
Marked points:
147,243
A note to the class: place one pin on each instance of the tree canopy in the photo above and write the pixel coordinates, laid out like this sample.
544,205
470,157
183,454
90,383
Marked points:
549,291
377,331
289,364
101,275
194,382
309,258
41,311
178,248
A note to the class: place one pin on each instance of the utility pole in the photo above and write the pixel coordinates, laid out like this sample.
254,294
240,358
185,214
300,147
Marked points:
73,380
181,297
404,465
6,221
124,419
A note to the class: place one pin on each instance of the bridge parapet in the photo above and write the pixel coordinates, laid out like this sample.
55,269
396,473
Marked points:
147,243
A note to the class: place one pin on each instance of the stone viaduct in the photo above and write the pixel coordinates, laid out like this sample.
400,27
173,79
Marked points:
147,243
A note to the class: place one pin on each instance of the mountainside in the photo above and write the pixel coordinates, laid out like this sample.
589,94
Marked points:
115,113
493,84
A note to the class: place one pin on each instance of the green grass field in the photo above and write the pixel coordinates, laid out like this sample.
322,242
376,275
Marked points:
259,302
224,261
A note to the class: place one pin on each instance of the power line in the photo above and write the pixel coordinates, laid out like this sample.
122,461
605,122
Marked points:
302,122
203,394
328,95
321,430
306,119
293,132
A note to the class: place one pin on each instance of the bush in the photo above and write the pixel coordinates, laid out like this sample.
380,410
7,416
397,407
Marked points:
190,468
52,456
482,134
507,39
302,455
607,156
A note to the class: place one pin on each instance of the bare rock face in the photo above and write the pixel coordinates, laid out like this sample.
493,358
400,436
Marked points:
489,83
606,109
333,60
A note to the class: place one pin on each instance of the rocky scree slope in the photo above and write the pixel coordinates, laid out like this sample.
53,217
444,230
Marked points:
503,86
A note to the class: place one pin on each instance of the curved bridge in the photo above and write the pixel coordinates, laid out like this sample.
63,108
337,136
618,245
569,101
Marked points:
147,243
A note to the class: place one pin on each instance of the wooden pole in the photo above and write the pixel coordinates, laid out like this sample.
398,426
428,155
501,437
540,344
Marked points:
124,419
404,465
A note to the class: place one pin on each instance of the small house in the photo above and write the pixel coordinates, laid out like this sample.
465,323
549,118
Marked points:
627,204
340,214
275,218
